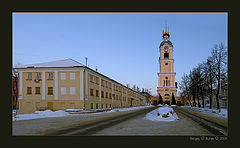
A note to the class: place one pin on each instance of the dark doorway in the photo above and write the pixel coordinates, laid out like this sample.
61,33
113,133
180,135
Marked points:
131,102
50,105
155,102
179,103
167,102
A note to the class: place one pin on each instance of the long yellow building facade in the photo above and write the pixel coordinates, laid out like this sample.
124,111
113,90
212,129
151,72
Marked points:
67,84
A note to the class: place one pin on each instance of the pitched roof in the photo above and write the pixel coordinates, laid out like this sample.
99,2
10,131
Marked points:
58,63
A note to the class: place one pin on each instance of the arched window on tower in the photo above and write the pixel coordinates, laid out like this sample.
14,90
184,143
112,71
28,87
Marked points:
166,82
166,55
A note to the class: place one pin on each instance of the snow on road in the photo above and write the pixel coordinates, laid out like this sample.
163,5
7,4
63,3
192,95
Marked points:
61,113
211,112
129,108
164,113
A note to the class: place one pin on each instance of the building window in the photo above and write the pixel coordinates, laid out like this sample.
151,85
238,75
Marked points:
50,90
106,105
91,105
116,97
106,84
63,76
106,95
97,93
166,63
91,78
63,90
72,76
37,90
72,90
96,105
29,90
110,85
102,83
166,82
91,92
38,77
110,96
166,55
102,94
50,76
96,80
102,106
110,105
29,76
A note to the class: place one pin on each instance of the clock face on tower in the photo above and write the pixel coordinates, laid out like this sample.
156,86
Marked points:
166,47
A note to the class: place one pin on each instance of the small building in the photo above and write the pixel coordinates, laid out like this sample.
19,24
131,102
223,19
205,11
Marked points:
154,100
65,84
147,95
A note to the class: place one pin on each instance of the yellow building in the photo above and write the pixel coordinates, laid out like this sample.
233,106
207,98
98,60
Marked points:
154,100
166,76
65,84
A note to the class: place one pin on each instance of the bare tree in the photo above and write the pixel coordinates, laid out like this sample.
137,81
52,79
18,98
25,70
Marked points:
219,60
184,87
138,89
209,79
134,87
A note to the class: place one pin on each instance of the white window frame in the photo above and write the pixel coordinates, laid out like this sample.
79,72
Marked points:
50,76
72,90
72,76
91,78
29,76
63,75
63,90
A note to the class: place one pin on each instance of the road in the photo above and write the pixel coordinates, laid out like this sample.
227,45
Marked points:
129,123
142,126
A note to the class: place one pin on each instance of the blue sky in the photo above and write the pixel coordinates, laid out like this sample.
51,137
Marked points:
124,46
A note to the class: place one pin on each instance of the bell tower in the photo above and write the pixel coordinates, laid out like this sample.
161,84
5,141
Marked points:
166,76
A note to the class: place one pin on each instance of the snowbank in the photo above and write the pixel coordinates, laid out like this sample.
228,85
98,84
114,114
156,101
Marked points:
69,112
211,112
41,114
164,113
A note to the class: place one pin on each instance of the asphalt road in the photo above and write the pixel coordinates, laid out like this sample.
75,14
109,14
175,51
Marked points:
128,123
141,126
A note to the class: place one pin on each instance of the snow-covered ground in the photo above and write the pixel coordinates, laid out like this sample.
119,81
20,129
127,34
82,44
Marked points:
164,113
212,112
61,113
41,114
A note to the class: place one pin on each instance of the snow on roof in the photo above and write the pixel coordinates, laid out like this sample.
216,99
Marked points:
58,63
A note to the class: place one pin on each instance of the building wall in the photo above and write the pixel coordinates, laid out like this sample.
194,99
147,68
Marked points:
81,99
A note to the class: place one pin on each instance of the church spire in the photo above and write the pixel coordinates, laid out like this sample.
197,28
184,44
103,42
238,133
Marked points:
166,32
